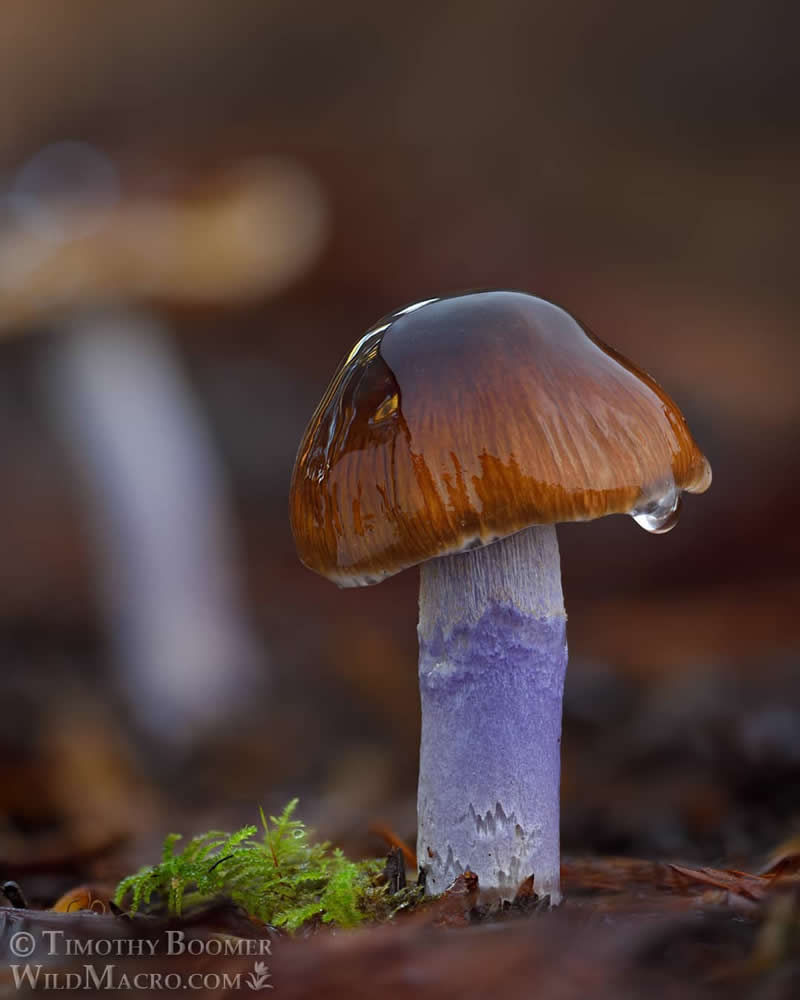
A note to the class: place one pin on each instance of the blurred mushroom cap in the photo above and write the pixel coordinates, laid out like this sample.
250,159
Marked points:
462,420
242,234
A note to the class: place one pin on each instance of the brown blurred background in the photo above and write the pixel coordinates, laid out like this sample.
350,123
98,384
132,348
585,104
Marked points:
635,163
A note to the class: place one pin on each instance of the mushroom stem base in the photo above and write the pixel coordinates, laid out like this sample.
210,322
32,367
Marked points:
492,662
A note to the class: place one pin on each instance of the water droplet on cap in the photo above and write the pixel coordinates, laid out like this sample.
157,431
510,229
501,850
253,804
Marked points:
660,514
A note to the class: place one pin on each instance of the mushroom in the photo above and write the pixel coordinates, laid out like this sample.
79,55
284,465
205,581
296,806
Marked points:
455,435
83,256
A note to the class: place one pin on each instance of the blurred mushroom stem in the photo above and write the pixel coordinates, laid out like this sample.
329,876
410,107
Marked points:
158,504
493,655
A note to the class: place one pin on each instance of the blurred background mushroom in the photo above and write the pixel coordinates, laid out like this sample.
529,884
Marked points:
634,163
90,261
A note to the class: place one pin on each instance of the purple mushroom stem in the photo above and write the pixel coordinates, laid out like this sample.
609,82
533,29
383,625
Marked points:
492,660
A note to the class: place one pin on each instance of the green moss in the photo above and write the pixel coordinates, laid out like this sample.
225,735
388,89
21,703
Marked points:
283,878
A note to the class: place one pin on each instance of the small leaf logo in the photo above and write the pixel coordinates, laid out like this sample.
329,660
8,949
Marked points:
257,979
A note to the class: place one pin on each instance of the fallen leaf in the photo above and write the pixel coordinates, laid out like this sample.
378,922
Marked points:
754,887
785,859
84,897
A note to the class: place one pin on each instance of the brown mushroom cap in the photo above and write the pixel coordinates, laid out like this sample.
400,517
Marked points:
462,420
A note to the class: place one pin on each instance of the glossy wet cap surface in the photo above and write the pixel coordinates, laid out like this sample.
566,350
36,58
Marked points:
458,421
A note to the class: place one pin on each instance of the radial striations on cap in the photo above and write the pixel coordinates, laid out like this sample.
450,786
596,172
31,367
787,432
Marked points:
462,420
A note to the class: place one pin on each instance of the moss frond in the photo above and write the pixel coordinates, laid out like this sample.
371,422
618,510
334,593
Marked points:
283,878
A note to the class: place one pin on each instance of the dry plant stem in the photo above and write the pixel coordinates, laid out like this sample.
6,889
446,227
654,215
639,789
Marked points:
493,655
